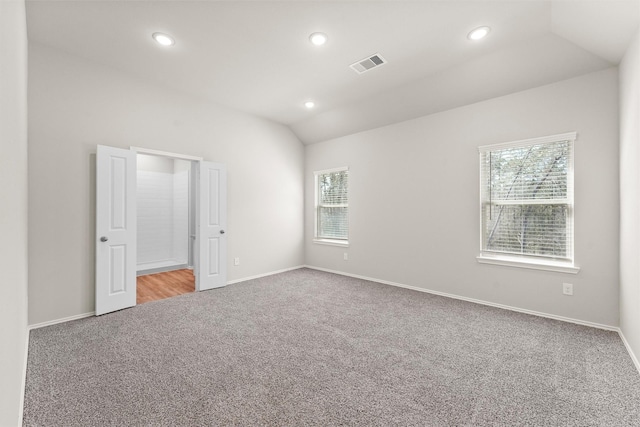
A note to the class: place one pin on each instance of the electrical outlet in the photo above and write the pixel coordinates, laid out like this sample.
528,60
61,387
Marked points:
567,288
236,261
346,256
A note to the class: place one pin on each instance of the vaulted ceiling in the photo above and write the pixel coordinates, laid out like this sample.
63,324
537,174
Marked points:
255,56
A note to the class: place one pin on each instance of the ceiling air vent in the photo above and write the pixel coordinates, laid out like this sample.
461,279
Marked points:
367,64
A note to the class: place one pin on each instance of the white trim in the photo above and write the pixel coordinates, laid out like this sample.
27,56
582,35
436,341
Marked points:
322,240
62,320
147,271
325,171
330,242
530,262
320,205
23,388
93,313
271,273
141,150
629,350
385,282
525,202
569,136
473,300
533,264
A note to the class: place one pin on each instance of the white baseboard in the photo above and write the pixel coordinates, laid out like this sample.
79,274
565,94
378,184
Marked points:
93,313
244,279
23,387
384,282
155,270
473,300
629,350
64,319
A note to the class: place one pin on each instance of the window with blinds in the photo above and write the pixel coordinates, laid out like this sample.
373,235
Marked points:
332,204
527,198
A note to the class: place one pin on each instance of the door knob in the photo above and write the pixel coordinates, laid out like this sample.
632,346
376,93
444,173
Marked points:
221,231
104,238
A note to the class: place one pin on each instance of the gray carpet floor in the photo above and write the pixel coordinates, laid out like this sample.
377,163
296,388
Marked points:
312,348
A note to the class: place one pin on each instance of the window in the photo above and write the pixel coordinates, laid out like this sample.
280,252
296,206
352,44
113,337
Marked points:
332,206
526,200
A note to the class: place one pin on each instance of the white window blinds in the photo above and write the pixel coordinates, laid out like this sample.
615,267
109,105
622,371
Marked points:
527,198
332,204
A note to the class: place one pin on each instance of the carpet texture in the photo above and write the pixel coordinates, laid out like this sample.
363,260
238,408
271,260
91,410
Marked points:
312,348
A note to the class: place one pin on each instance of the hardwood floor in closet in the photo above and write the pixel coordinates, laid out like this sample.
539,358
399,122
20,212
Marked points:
153,287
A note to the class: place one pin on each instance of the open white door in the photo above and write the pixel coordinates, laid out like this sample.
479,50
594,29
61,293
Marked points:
211,223
115,229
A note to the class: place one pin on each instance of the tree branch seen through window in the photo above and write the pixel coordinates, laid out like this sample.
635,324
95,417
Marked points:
527,199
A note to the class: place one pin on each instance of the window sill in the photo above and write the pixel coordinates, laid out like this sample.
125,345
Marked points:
557,266
330,242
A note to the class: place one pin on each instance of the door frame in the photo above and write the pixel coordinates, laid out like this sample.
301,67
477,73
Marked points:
193,192
196,162
141,150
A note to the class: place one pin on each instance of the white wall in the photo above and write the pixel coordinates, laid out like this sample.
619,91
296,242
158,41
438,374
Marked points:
413,206
630,196
154,210
162,211
75,104
13,207
180,245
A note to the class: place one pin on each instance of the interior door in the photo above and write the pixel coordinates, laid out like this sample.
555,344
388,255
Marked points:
211,220
115,229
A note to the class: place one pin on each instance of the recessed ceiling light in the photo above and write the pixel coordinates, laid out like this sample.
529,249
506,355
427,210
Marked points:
163,39
478,33
318,39
309,104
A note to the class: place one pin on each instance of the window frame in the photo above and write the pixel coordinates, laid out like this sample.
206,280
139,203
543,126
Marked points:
324,240
532,261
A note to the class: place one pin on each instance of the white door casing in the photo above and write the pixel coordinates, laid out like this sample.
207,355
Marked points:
211,220
115,229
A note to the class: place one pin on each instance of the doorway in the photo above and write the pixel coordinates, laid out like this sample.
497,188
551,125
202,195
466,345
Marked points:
165,214
166,227
117,225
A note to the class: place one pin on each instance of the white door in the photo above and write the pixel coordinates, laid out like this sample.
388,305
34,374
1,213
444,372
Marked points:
115,229
211,220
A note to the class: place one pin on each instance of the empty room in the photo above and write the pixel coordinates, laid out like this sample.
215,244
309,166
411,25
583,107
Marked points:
286,213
